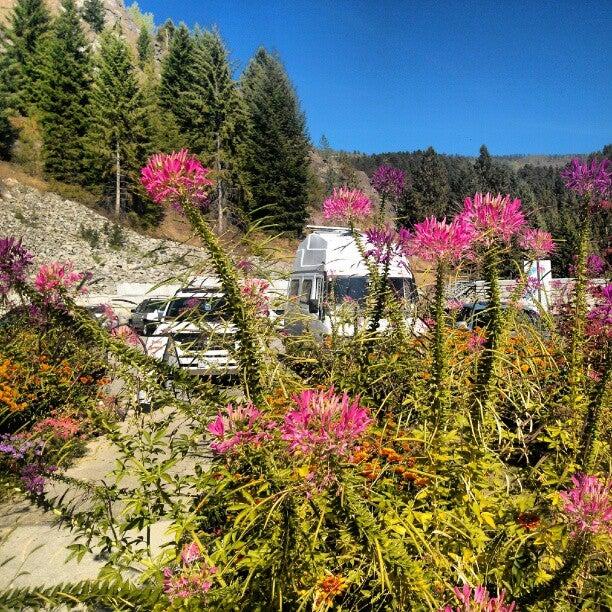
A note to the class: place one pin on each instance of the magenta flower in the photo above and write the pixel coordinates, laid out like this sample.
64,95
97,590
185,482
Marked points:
176,178
596,266
324,424
240,425
493,217
126,334
536,242
434,240
594,179
254,290
191,553
347,205
389,181
14,261
55,278
191,582
478,599
588,504
385,245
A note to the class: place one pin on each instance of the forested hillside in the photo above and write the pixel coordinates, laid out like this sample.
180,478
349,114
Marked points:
438,184
90,89
82,103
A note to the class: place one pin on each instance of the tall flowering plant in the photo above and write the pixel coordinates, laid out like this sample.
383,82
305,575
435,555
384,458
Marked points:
179,179
592,182
443,244
495,221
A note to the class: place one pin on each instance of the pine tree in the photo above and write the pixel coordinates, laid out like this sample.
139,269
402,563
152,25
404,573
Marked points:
7,134
145,47
275,160
217,116
120,137
177,78
19,40
93,14
165,34
492,176
430,191
64,97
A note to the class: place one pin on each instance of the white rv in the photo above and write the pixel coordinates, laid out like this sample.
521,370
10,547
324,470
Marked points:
329,272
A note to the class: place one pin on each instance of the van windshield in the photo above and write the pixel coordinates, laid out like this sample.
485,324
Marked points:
341,289
345,288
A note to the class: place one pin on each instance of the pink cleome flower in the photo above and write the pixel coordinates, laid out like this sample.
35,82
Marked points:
493,217
324,423
63,428
191,582
536,242
347,205
434,240
54,278
478,599
588,504
599,318
254,290
240,425
191,553
389,181
175,178
594,179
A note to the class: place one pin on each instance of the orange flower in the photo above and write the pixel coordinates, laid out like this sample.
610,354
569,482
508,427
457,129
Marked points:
329,588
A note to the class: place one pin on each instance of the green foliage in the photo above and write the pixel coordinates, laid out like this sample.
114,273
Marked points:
93,13
90,235
115,594
8,134
20,41
145,21
145,47
275,160
64,97
120,135
430,190
115,236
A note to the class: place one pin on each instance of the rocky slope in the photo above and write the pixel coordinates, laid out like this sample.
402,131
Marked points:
57,229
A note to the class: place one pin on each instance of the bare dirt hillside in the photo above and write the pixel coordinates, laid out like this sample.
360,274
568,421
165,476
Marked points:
56,229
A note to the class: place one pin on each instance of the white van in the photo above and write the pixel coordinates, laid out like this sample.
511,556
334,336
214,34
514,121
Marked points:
195,332
328,271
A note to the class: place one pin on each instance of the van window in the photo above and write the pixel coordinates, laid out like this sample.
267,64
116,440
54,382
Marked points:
403,288
348,287
306,290
294,287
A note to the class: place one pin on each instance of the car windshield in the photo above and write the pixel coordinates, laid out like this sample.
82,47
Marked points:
212,307
149,306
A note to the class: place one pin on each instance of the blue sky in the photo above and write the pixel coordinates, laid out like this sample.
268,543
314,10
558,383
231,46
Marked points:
387,75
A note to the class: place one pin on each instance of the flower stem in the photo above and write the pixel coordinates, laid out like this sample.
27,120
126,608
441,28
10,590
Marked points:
594,417
249,356
488,363
441,378
576,359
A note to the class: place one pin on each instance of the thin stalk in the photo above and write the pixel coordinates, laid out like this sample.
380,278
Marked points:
576,359
249,355
442,396
489,361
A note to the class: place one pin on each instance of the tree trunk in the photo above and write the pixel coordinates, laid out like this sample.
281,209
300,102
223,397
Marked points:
118,182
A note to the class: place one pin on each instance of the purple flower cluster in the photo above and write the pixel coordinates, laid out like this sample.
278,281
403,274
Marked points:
593,179
588,504
478,599
385,244
389,181
14,261
17,447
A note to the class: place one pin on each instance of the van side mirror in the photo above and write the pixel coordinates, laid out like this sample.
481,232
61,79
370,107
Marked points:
313,306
